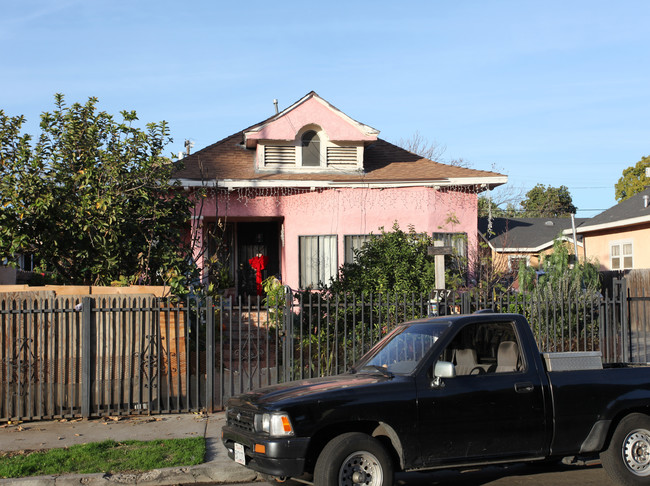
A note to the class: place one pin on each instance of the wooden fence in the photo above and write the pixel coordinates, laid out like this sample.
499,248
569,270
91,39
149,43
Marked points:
638,283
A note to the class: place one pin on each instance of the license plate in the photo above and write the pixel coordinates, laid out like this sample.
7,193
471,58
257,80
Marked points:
239,454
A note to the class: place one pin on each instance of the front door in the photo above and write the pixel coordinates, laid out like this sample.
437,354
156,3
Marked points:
493,408
258,255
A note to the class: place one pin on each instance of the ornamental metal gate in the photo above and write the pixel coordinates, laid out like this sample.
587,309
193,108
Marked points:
117,355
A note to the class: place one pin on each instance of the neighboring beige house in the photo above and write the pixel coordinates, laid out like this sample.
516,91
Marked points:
512,240
619,237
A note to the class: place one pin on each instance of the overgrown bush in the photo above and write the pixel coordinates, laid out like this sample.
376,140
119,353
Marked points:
393,261
567,294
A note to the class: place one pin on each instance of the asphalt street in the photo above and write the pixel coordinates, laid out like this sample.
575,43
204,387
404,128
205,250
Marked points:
530,475
516,475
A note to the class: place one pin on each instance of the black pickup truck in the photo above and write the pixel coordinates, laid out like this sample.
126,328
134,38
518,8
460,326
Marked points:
446,392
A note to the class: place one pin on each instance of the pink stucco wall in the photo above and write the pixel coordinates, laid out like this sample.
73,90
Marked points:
307,113
348,211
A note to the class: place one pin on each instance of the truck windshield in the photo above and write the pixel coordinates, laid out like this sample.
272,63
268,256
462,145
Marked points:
400,352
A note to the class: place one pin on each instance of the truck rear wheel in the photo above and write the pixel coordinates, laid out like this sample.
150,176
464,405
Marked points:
627,459
354,458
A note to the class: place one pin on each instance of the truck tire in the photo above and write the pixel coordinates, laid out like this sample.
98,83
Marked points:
353,458
627,459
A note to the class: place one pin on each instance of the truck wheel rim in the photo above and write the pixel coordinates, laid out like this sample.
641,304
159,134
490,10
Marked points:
361,467
636,452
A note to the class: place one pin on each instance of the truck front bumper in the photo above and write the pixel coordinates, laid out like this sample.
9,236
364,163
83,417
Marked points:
281,457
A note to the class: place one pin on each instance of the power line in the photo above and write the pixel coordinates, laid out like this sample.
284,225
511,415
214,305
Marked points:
588,187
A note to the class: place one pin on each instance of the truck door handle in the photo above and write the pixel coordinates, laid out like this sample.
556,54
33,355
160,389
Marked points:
524,387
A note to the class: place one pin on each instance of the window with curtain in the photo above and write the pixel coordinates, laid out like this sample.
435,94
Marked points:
318,260
352,244
458,241
457,262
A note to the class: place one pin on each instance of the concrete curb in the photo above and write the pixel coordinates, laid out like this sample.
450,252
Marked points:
217,468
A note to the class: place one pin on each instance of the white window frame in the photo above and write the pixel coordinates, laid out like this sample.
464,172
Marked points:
453,238
621,244
326,164
513,258
322,142
319,270
352,243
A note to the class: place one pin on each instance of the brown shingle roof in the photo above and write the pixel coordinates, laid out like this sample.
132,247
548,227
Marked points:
383,162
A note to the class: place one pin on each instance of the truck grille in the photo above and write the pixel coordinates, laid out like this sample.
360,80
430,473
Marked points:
241,419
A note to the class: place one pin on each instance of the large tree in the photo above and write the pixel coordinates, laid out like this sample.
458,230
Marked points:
489,208
633,180
92,199
548,202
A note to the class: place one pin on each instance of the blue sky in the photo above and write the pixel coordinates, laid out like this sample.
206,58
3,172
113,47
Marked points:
552,92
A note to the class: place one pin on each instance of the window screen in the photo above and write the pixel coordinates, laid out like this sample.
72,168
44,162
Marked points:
354,243
458,241
318,262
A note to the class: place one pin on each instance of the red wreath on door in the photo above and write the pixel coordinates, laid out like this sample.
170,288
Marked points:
258,263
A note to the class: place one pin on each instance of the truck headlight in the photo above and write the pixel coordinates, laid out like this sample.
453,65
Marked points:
274,424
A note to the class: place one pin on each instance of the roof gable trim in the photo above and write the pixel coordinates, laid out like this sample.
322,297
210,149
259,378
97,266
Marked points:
543,246
310,110
613,224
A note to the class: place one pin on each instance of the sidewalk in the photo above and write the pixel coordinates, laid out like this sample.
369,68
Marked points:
217,468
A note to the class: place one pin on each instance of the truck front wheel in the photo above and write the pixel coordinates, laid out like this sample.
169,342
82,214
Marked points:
354,459
627,459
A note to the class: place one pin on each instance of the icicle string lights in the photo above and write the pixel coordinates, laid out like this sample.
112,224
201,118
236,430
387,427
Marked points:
454,194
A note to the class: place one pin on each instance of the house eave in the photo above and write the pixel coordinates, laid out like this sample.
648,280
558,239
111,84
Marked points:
611,225
536,249
481,183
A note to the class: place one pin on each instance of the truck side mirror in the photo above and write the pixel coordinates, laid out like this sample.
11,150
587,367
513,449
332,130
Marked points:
442,369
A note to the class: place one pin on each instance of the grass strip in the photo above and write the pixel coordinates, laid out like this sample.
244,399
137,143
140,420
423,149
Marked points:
108,456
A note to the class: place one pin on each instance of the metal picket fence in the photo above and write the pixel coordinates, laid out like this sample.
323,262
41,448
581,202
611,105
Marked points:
104,356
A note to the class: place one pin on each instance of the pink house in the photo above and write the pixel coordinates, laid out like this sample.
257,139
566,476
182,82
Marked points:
295,194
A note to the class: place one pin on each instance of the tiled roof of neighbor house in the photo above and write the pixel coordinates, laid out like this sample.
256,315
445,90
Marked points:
524,234
631,211
384,163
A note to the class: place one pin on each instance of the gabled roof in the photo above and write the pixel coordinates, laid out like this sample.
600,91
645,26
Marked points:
632,211
310,109
523,235
230,164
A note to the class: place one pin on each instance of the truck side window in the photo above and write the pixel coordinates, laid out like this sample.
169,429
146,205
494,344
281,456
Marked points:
485,347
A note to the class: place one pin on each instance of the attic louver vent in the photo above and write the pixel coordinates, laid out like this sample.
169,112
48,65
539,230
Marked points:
280,155
342,156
